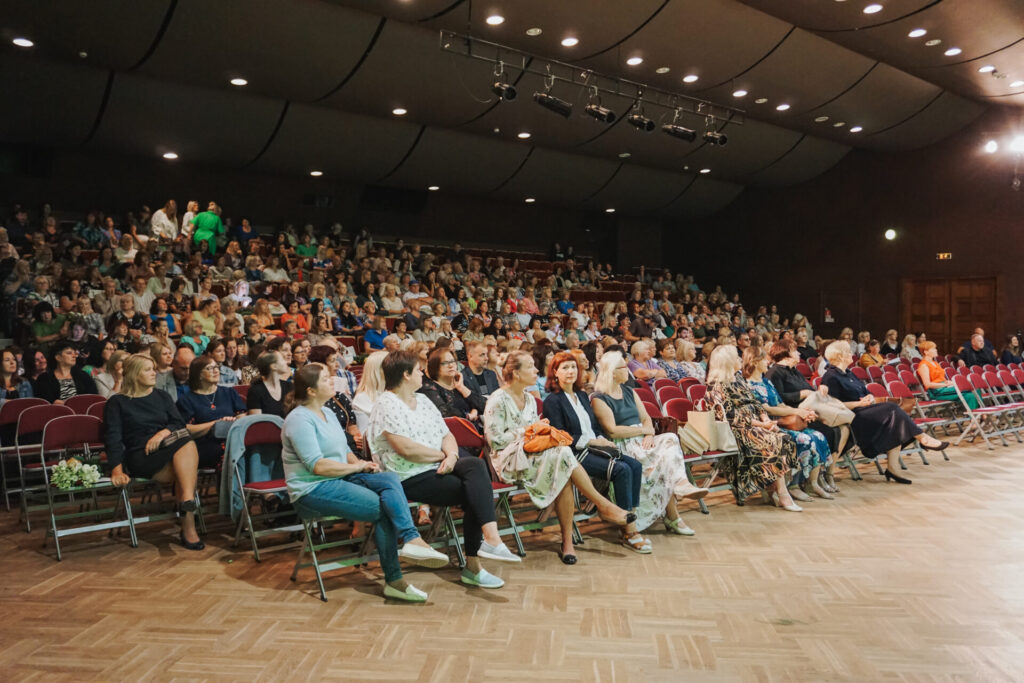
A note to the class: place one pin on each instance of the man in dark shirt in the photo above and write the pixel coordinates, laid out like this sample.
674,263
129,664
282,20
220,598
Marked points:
475,375
642,328
975,353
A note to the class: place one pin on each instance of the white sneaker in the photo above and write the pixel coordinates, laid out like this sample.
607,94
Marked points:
484,579
423,557
498,553
410,594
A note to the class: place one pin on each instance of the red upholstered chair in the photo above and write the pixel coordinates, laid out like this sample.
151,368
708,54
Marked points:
697,392
679,408
243,391
686,382
9,413
860,373
804,369
663,382
28,436
262,440
877,390
652,409
80,403
645,394
667,393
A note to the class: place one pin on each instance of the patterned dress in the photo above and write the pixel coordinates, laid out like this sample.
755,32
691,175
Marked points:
674,370
811,447
663,464
424,425
764,455
542,475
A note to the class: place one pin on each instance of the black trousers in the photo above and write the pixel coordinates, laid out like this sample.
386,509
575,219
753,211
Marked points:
467,486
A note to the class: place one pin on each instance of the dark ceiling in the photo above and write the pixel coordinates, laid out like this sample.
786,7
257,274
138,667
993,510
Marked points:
323,78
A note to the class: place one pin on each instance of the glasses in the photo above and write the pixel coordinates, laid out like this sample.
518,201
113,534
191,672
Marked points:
449,362
212,368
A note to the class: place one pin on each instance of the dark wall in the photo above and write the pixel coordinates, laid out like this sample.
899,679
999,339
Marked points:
821,244
76,181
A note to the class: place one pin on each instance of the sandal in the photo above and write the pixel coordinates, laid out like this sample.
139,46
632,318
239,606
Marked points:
638,543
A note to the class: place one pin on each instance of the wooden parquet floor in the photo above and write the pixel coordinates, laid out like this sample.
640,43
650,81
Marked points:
887,583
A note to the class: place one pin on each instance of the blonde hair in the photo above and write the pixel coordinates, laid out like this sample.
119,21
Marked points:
909,342
682,347
372,381
133,367
836,350
605,381
723,365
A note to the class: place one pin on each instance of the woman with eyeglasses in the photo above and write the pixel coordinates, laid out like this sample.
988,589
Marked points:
446,389
206,406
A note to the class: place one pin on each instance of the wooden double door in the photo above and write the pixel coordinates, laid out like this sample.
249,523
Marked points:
947,311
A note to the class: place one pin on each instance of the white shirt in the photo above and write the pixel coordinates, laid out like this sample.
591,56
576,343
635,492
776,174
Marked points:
162,226
586,430
186,223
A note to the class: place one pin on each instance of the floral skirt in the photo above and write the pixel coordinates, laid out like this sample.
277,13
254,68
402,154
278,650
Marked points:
545,476
811,451
764,456
664,469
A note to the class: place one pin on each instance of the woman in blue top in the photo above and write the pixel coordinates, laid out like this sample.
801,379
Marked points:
205,405
325,479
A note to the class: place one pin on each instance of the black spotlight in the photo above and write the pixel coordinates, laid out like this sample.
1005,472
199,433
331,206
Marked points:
679,132
641,122
504,91
552,103
602,114
713,138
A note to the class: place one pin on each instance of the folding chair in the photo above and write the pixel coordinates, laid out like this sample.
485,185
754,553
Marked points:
669,392
877,390
10,410
243,391
928,407
988,367
804,369
81,402
262,441
652,409
1001,367
889,376
875,373
31,422
679,409
646,394
979,416
697,392
84,432
1011,384
927,423
97,410
860,373
816,382
466,436
686,382
540,407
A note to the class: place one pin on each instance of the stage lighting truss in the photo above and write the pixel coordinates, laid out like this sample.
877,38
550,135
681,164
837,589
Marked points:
593,83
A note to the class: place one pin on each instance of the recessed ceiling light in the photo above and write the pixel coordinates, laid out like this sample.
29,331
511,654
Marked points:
495,19
839,124
705,171
1016,84
23,42
609,210
1018,144
534,31
856,129
662,70
399,111
570,42
821,119
953,52
634,61
624,155
83,54
987,69
239,82
529,200
761,100
890,234
782,107
690,78
991,147
316,174
433,188
933,42
917,33
873,8
171,156
523,136
739,93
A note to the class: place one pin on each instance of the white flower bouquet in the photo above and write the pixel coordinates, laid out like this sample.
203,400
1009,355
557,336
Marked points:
69,474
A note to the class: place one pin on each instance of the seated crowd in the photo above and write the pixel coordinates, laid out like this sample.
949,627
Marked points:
364,350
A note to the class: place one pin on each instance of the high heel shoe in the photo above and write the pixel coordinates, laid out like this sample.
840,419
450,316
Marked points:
678,526
793,507
630,518
818,490
896,478
198,545
943,445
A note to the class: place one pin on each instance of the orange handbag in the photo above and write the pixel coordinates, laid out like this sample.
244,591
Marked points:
540,437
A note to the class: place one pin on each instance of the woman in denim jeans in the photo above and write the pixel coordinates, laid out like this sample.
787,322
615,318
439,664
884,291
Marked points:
326,479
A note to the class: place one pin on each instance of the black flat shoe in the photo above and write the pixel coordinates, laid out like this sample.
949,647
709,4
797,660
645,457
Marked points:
943,445
896,478
567,559
198,545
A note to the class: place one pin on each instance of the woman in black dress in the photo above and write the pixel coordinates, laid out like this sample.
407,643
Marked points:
878,427
266,395
146,437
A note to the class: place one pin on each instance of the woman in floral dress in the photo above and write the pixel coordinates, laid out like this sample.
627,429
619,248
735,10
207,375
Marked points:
811,446
546,475
766,454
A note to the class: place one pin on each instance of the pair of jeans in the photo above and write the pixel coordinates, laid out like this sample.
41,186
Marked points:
468,486
627,476
366,497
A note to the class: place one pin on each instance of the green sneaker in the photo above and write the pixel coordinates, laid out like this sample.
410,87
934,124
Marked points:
484,579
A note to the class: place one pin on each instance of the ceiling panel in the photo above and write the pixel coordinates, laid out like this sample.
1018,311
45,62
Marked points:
113,33
361,148
751,147
811,157
34,113
639,190
558,178
942,118
295,55
149,117
703,198
815,15
459,161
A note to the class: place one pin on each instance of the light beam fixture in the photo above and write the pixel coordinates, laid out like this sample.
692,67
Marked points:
501,87
596,110
678,131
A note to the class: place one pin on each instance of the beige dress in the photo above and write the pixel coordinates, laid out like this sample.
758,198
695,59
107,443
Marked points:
542,475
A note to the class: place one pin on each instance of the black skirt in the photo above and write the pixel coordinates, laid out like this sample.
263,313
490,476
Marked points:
881,427
141,464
